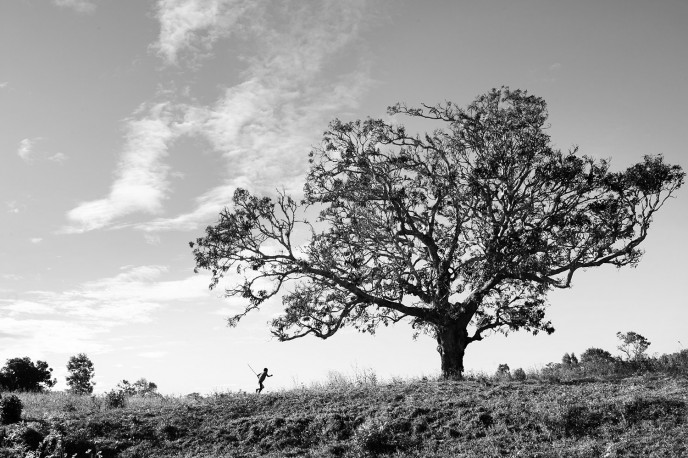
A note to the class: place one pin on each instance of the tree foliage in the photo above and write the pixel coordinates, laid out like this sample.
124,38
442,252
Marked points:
596,355
81,372
633,345
21,374
569,359
462,231
141,387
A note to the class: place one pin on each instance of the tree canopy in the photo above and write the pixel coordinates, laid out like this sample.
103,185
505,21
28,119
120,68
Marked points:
633,345
462,231
81,373
21,374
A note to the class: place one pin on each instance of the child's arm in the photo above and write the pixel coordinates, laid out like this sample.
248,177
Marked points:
270,375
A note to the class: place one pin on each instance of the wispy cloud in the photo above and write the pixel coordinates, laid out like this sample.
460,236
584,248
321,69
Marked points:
77,319
23,307
57,157
14,207
195,25
29,153
80,6
264,126
4,84
141,182
25,150
207,207
38,335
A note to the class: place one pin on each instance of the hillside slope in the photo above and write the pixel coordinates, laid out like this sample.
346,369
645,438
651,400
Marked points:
637,416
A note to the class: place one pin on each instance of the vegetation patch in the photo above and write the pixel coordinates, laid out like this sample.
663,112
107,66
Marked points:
633,416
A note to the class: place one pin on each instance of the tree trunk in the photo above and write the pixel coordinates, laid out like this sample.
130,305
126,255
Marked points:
452,339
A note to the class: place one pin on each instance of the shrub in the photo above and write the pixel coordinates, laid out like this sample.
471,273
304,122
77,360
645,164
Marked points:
597,361
115,399
596,355
503,372
365,377
519,374
31,437
551,372
374,437
10,409
674,362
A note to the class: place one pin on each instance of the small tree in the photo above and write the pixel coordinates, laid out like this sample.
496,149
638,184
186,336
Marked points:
566,359
115,399
633,345
519,374
21,374
140,387
81,372
462,231
569,360
143,387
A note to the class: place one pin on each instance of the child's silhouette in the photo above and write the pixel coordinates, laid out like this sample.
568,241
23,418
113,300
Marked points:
261,378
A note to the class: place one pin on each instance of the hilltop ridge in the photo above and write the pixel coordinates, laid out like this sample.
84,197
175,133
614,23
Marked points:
635,416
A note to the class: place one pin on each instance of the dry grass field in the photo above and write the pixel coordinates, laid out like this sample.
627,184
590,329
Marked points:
636,416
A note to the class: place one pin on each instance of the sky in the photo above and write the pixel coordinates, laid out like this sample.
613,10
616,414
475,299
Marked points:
126,126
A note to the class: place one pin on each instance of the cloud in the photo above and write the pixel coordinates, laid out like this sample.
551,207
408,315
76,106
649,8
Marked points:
80,6
141,181
27,308
195,25
25,150
38,336
130,296
264,125
28,153
57,157
4,84
14,206
207,206
79,319
36,240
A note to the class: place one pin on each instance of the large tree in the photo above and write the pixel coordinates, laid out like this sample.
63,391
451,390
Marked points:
463,231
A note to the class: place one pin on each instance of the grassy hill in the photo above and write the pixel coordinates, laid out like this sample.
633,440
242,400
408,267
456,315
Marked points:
635,416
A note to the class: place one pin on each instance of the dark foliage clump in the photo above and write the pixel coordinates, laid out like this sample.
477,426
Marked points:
10,409
115,399
22,374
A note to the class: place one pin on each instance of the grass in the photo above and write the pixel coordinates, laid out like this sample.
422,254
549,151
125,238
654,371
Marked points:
643,415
